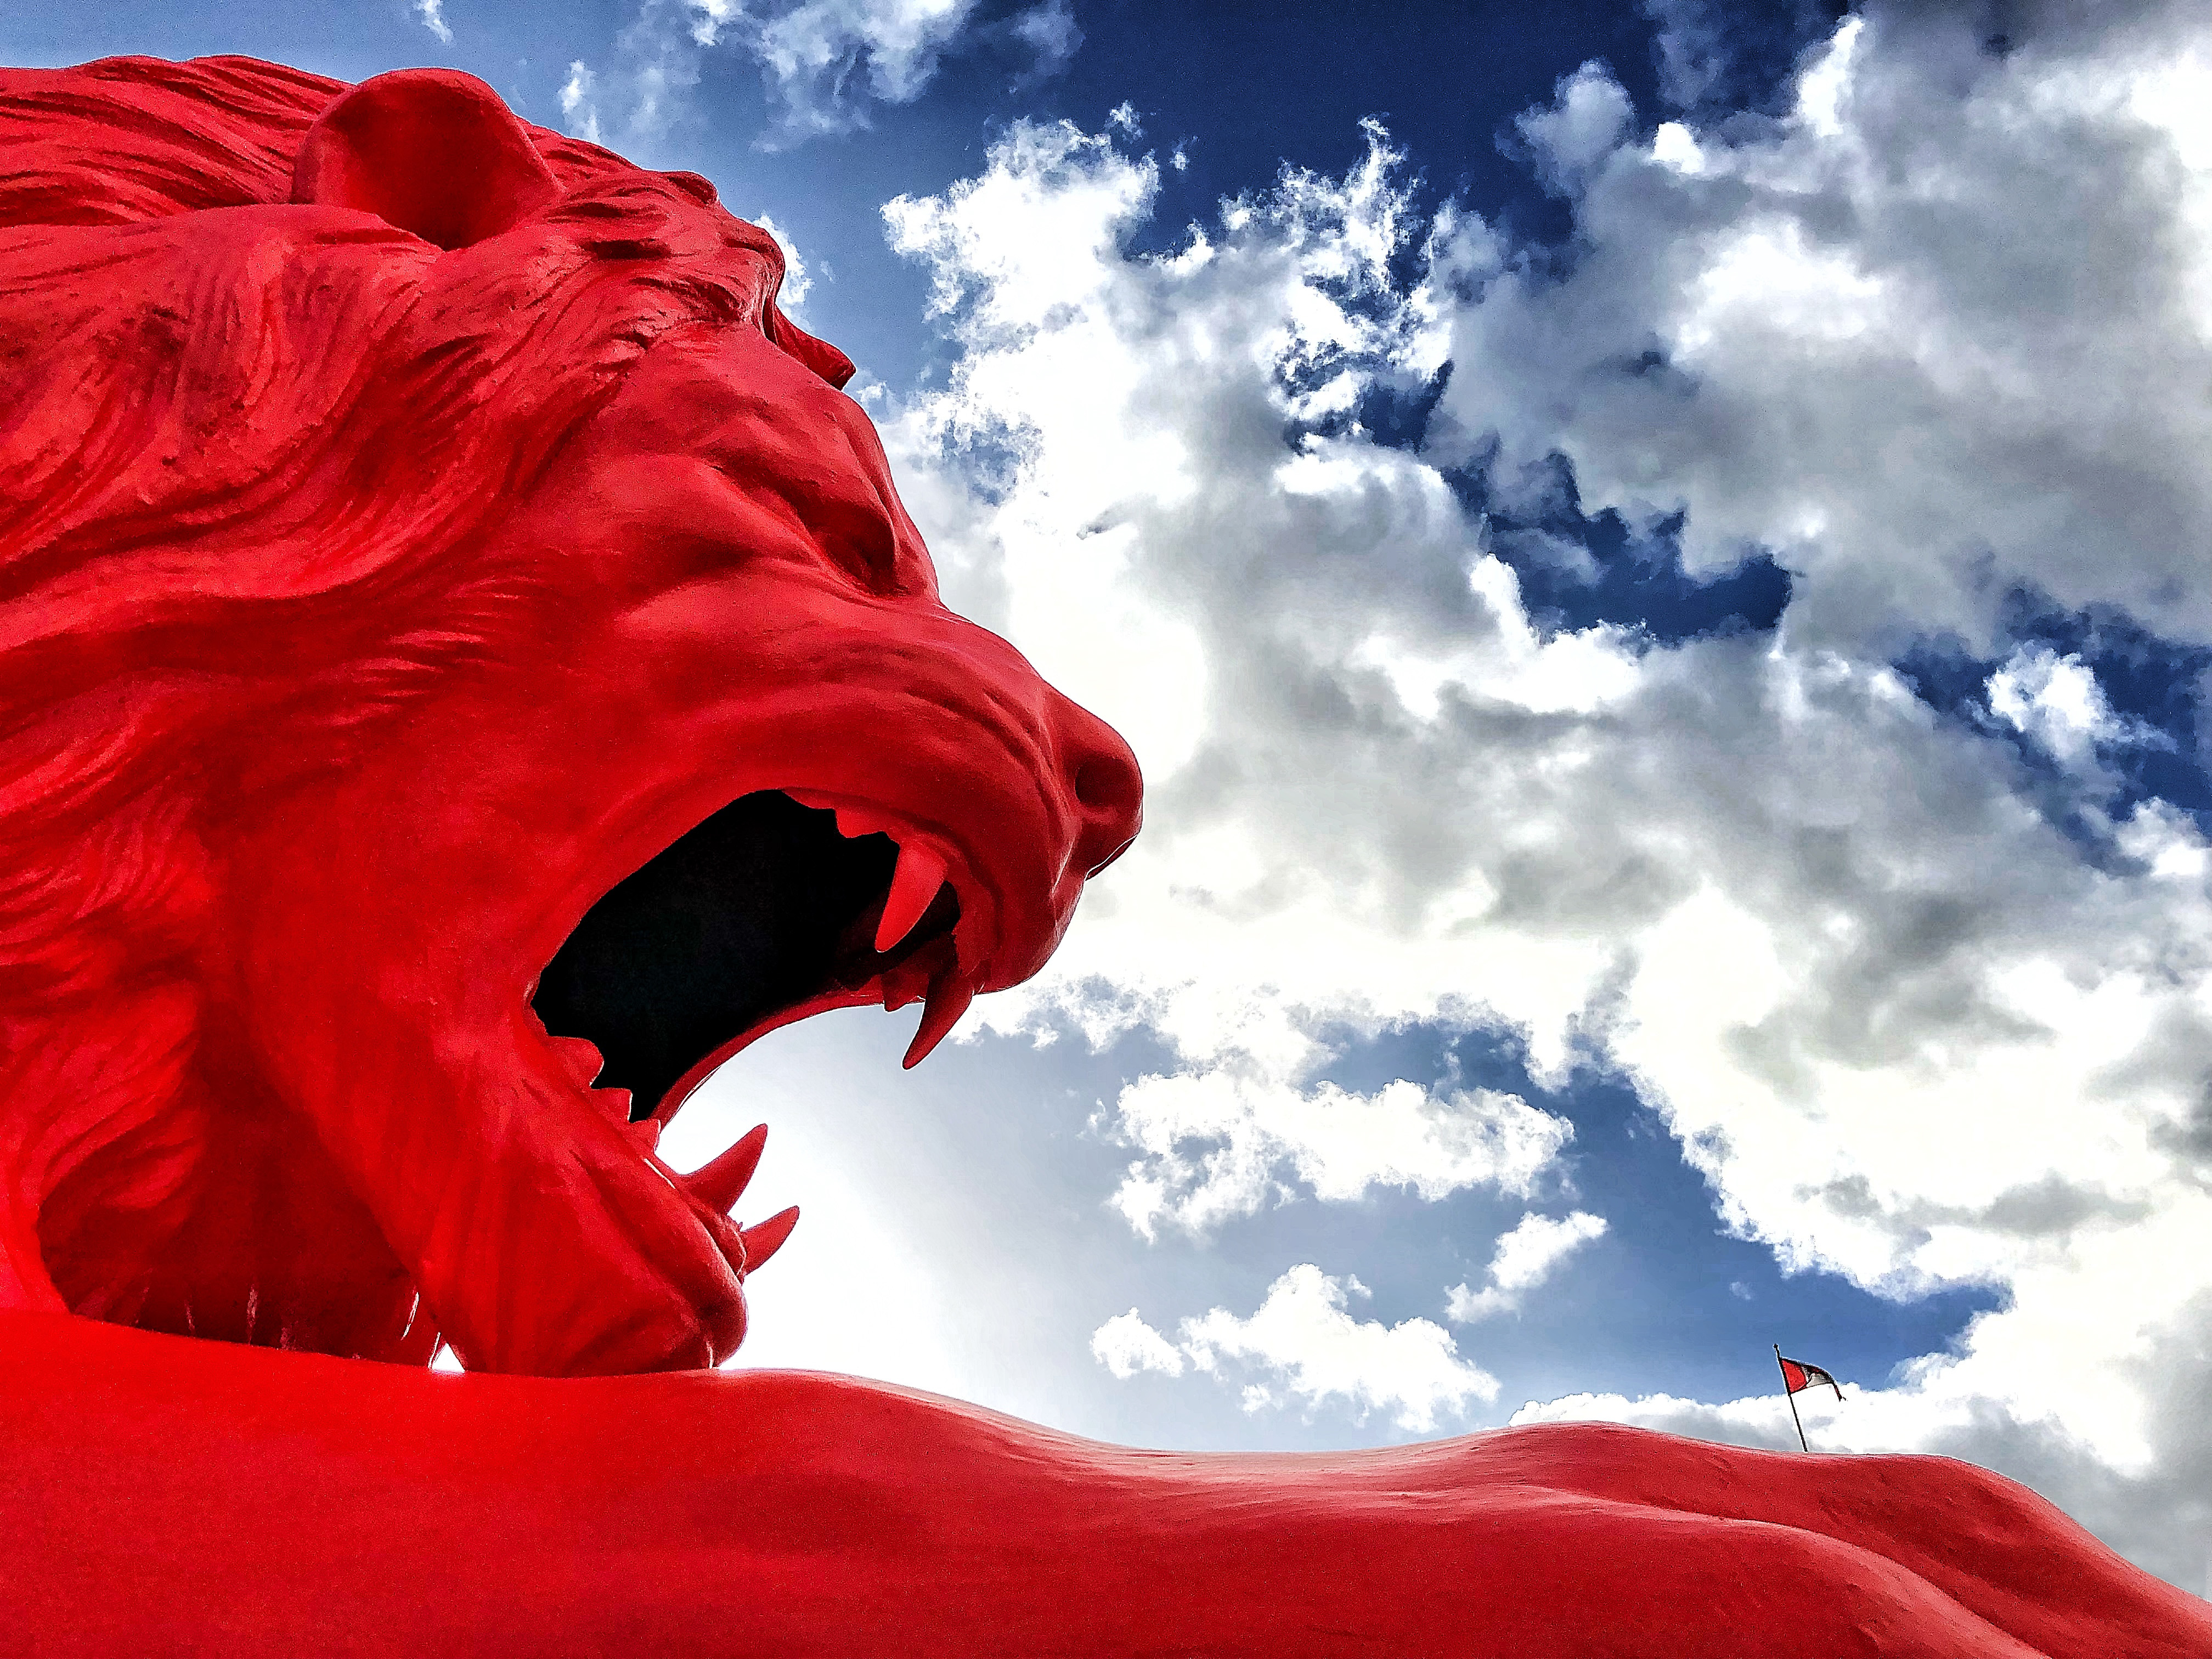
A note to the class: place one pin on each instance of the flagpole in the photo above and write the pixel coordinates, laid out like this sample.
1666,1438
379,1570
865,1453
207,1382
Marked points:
1792,1399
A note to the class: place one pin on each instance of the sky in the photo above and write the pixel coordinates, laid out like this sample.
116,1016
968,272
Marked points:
1658,560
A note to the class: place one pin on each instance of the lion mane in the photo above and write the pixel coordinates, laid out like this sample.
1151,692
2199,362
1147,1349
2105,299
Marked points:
173,573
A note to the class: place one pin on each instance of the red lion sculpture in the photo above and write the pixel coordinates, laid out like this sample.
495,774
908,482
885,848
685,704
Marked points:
464,672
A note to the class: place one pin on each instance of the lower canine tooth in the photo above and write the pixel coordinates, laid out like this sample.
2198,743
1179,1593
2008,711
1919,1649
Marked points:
766,1239
903,984
720,1184
948,997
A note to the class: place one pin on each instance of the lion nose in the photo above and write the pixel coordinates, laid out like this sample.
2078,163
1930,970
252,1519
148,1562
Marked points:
1103,777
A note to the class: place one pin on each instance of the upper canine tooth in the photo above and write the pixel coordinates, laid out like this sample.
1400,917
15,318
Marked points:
915,883
853,822
950,994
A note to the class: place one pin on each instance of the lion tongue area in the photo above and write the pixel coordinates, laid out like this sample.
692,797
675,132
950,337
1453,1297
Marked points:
751,912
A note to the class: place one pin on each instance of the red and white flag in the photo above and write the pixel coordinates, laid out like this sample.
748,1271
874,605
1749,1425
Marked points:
1799,1374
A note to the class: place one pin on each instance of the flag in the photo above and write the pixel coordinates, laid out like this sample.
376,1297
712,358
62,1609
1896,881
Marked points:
1799,1374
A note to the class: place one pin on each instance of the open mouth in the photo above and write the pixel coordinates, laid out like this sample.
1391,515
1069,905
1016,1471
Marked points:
775,907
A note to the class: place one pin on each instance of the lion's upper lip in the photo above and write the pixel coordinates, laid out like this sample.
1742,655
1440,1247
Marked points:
779,904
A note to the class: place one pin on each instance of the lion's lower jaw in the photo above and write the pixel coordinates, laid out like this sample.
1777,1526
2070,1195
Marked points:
151,1184
569,1252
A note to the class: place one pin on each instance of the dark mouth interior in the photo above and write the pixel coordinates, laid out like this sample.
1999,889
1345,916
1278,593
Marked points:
760,908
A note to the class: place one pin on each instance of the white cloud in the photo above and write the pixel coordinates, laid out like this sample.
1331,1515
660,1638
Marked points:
1125,1345
1937,334
1755,1420
2056,702
643,89
2054,699
1523,1260
813,51
1217,1143
798,282
1048,30
1938,331
580,107
1584,128
1692,46
433,13
1306,1344
826,61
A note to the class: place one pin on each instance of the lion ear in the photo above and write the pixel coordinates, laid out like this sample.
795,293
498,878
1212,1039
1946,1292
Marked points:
430,151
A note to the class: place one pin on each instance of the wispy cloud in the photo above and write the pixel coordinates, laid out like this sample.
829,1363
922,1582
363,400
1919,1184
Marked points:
826,63
433,13
798,280
580,107
1524,1259
643,88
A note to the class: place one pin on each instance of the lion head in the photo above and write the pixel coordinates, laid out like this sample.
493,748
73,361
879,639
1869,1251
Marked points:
464,671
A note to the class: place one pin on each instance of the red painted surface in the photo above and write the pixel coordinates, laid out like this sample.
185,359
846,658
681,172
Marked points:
373,602
160,1494
411,523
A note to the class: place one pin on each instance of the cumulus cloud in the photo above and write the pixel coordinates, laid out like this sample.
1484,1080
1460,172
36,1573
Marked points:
1523,1260
1935,335
1126,1344
1303,1342
1217,1143
1938,331
2057,703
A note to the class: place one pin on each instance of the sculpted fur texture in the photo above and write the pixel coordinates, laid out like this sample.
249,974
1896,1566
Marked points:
464,671
414,526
